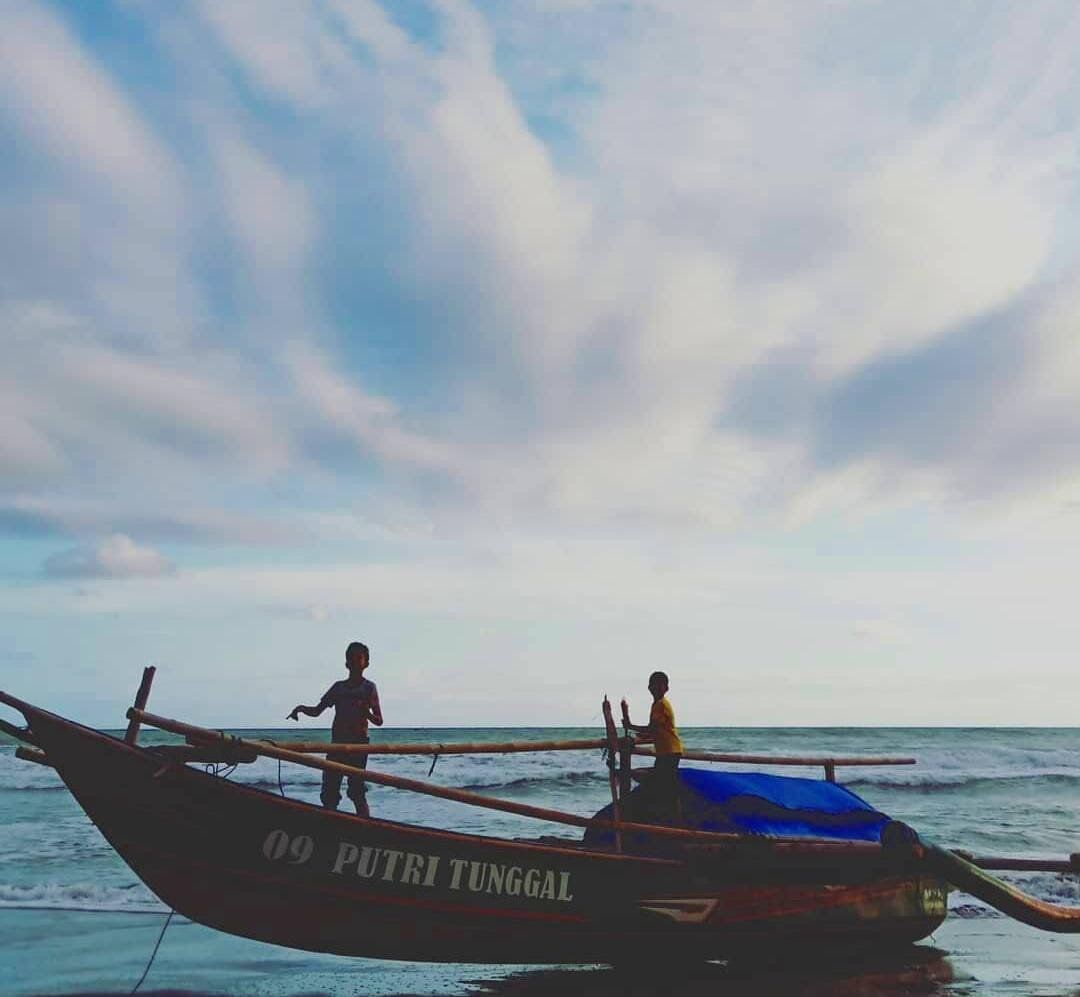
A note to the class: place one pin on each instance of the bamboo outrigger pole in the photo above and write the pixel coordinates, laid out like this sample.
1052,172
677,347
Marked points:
581,744
967,876
829,763
460,748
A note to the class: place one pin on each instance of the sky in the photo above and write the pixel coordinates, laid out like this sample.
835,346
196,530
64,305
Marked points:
539,346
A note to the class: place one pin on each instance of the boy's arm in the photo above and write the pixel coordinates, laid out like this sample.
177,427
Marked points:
647,730
311,711
374,709
314,711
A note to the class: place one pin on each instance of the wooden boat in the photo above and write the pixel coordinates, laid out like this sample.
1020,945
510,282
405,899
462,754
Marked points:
257,864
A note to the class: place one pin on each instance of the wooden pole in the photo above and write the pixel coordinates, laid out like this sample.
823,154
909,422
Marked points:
442,792
463,748
1069,865
815,760
612,751
626,750
967,876
510,747
141,697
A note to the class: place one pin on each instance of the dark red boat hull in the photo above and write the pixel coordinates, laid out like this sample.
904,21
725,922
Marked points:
255,864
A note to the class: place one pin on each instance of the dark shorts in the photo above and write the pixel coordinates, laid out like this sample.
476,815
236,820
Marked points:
664,784
331,781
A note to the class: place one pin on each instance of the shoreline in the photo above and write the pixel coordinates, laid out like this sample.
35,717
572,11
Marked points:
96,953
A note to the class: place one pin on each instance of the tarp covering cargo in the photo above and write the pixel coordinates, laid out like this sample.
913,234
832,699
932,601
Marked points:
759,804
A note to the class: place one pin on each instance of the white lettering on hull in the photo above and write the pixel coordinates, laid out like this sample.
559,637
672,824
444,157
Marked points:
392,865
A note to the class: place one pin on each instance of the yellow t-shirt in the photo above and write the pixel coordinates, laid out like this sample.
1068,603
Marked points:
662,720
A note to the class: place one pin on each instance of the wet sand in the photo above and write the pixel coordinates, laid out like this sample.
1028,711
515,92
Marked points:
72,952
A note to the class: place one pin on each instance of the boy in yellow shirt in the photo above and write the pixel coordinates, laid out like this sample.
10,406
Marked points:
661,730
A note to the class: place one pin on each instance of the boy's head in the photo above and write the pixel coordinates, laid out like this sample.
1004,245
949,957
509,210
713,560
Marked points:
356,658
658,684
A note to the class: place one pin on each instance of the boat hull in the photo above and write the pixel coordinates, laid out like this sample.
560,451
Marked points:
255,864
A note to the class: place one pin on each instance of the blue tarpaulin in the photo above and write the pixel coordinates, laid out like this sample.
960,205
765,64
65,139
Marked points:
755,803
758,804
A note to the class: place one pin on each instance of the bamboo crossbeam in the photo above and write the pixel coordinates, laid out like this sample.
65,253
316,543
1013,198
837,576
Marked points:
206,736
461,748
809,760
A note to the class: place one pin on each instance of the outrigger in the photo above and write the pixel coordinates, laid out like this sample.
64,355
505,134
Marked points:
752,860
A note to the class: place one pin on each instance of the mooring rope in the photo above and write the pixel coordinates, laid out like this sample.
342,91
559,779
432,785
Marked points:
154,953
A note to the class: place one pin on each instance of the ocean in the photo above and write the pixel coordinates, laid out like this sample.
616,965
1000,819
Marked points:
74,918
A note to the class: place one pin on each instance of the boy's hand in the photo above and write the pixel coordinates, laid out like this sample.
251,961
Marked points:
295,715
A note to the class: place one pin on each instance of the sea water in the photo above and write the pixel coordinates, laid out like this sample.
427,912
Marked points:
990,790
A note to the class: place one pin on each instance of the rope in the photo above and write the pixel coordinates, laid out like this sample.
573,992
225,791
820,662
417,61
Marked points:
154,953
280,785
434,759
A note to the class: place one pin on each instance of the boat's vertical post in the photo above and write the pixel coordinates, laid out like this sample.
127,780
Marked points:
830,771
612,751
140,702
626,756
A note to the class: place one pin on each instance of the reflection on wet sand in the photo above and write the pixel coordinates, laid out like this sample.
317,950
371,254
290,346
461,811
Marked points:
919,970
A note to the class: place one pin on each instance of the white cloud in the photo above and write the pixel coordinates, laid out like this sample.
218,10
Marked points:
116,556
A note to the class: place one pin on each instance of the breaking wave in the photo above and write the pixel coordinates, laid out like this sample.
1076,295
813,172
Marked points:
469,780
15,774
133,899
565,779
932,782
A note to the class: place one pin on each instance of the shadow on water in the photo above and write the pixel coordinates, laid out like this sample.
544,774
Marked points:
919,970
